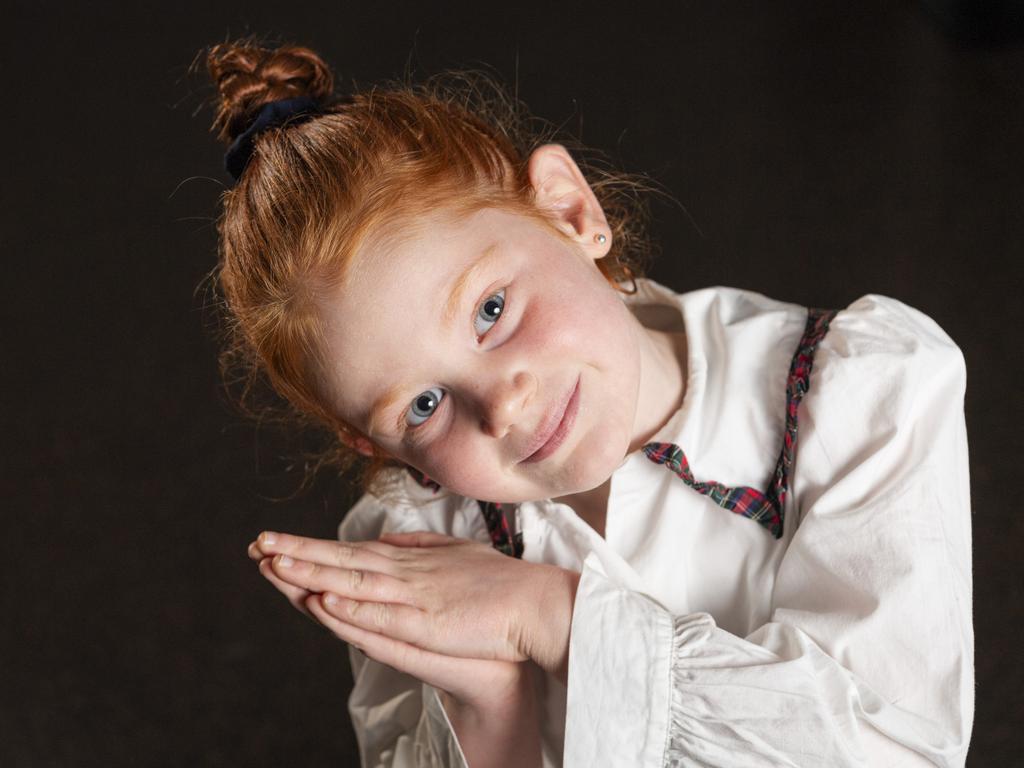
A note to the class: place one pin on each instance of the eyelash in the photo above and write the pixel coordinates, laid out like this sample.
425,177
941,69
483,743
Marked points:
440,395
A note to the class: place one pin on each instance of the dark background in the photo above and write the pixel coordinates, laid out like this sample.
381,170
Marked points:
822,150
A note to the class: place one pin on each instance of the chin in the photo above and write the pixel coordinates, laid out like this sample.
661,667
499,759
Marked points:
588,469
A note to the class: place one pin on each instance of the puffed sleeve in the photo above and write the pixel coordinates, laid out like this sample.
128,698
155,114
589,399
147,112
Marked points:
399,721
868,659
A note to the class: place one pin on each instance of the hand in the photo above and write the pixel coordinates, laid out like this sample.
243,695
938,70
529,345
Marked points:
454,597
464,684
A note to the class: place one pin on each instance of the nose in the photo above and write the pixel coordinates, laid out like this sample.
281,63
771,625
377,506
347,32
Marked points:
504,403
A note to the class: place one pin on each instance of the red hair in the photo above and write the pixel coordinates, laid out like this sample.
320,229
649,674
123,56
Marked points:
313,191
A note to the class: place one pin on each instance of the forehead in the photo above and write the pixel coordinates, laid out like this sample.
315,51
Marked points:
435,238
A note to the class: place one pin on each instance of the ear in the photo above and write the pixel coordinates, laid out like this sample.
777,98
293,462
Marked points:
560,190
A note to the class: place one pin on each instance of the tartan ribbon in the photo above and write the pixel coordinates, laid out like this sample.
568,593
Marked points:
502,538
768,507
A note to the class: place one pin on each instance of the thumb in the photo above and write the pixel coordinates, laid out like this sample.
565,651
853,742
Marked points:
417,539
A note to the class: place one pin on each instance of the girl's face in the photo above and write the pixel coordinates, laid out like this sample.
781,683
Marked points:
489,353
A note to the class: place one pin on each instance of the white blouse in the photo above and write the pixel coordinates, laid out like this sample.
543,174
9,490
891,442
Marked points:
697,638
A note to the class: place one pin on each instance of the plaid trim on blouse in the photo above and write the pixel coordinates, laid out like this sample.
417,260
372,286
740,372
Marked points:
497,518
767,508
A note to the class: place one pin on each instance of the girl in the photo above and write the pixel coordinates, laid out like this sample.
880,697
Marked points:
607,524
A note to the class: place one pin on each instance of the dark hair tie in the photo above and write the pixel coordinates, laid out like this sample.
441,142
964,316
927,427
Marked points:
272,114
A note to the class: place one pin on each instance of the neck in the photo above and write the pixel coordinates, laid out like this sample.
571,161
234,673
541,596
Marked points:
663,372
591,506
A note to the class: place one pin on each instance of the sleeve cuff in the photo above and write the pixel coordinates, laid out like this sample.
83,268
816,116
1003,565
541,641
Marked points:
620,656
783,701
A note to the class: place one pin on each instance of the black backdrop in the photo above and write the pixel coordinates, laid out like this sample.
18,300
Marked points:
821,153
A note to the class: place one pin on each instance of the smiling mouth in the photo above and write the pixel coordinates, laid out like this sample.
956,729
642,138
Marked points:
553,433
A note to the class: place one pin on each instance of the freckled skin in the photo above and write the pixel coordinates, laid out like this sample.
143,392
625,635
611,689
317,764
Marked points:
561,321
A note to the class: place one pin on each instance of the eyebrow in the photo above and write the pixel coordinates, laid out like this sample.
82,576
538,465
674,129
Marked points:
463,281
387,401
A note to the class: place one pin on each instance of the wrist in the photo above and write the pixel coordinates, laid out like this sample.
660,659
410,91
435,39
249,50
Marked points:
501,730
552,623
499,695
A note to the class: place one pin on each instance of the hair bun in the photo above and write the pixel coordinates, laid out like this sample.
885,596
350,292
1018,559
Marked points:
248,76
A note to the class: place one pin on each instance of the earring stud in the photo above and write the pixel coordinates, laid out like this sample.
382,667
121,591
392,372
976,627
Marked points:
600,239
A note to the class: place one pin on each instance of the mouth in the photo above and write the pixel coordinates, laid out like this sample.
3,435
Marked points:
556,427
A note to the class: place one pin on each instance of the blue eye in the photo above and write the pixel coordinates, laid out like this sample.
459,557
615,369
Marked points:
489,312
423,406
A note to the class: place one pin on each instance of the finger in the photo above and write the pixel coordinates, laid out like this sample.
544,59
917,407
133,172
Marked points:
370,555
356,583
418,539
432,668
254,551
397,621
296,595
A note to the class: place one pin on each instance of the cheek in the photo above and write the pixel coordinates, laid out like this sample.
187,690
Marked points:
459,465
578,318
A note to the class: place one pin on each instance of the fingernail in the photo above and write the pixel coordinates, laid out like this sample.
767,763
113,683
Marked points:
331,599
269,538
285,562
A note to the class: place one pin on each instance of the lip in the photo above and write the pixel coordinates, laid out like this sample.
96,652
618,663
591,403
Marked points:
556,427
